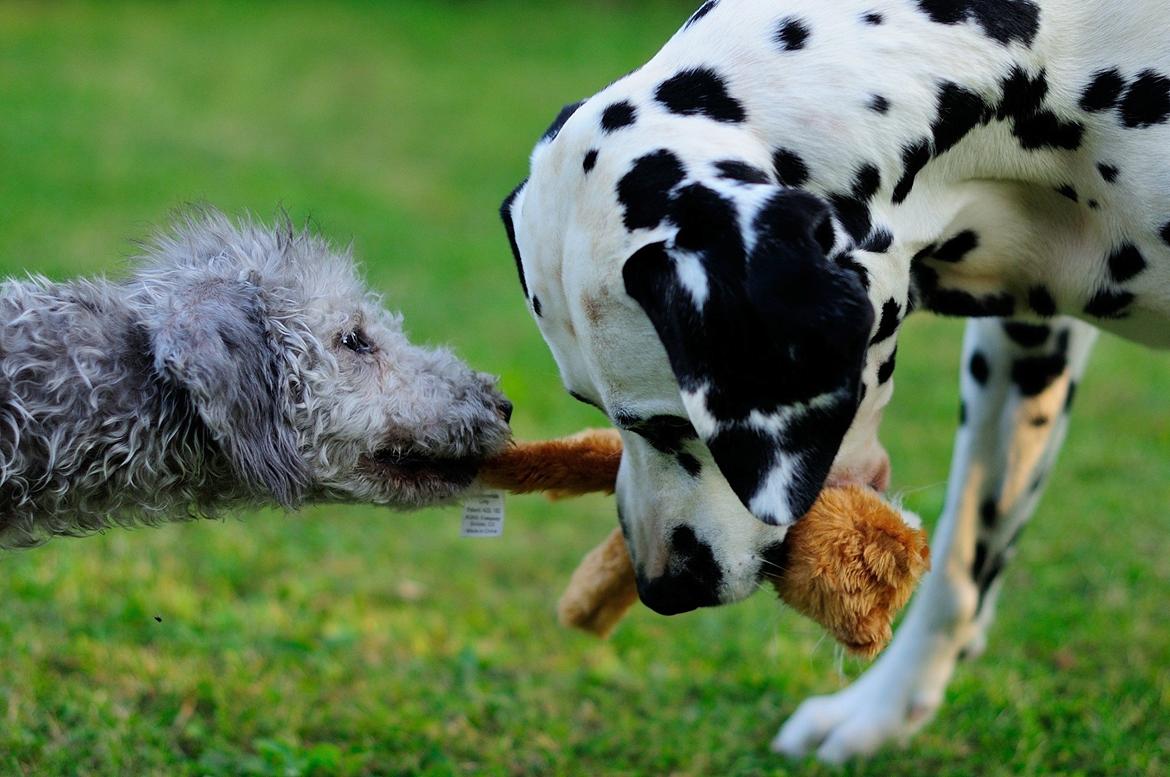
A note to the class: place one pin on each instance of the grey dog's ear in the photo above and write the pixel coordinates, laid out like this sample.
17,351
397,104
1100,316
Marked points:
210,339
766,336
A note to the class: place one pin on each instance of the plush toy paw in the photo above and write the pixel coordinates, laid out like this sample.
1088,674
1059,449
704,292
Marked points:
851,565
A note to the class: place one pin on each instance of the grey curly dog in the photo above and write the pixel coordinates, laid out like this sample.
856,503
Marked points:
235,365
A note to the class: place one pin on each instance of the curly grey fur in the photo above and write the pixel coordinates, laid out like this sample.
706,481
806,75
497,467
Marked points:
222,372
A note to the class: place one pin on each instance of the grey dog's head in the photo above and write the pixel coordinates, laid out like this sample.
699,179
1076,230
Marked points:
693,299
305,381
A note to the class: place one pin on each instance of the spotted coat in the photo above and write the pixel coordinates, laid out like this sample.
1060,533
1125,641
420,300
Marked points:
723,244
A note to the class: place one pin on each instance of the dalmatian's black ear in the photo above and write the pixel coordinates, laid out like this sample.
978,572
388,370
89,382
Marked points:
209,338
766,336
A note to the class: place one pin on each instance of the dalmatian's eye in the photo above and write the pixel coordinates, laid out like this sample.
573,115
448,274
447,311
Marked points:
666,433
355,340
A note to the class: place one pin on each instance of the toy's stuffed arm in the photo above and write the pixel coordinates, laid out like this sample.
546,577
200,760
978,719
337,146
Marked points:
850,564
601,590
584,463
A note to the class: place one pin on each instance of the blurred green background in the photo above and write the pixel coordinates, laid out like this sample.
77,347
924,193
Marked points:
357,641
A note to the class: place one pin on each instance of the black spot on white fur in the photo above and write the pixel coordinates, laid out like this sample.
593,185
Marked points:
734,170
620,114
1026,335
789,168
644,192
690,464
988,512
955,302
1103,92
914,158
1033,374
852,210
959,112
1147,101
510,228
891,317
700,91
1034,125
866,182
704,9
1005,21
1041,302
1109,304
986,572
853,215
979,368
924,253
562,117
1143,102
792,34
955,249
1126,262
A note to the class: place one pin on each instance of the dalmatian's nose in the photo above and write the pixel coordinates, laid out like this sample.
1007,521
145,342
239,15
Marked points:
676,594
692,580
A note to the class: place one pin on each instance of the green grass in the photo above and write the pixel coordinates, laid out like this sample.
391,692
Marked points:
356,641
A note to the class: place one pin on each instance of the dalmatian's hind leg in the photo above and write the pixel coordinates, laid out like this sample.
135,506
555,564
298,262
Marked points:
1017,385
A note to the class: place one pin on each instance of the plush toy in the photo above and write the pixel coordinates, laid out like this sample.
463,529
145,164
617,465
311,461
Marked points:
850,564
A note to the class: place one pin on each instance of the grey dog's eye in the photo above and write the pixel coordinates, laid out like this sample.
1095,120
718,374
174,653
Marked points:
355,340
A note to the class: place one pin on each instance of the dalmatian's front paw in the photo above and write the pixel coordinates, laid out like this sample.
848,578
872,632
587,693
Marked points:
888,704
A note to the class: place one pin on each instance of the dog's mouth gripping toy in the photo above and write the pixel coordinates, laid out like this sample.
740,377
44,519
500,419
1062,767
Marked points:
850,564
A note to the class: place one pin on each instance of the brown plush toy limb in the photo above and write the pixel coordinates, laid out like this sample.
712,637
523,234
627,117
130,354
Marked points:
601,590
585,463
850,564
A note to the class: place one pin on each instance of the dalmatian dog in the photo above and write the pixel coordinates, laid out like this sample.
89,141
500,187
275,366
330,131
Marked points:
720,247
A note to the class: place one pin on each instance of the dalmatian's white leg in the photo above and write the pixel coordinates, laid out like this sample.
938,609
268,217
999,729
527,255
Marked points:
1017,384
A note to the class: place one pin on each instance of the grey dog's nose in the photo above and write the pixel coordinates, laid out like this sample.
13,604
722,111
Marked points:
505,407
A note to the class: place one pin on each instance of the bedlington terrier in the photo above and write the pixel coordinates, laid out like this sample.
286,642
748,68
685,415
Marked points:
236,365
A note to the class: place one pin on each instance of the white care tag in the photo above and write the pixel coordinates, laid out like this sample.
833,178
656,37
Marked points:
483,515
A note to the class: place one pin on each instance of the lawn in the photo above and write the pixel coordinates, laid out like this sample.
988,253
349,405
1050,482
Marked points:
355,641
